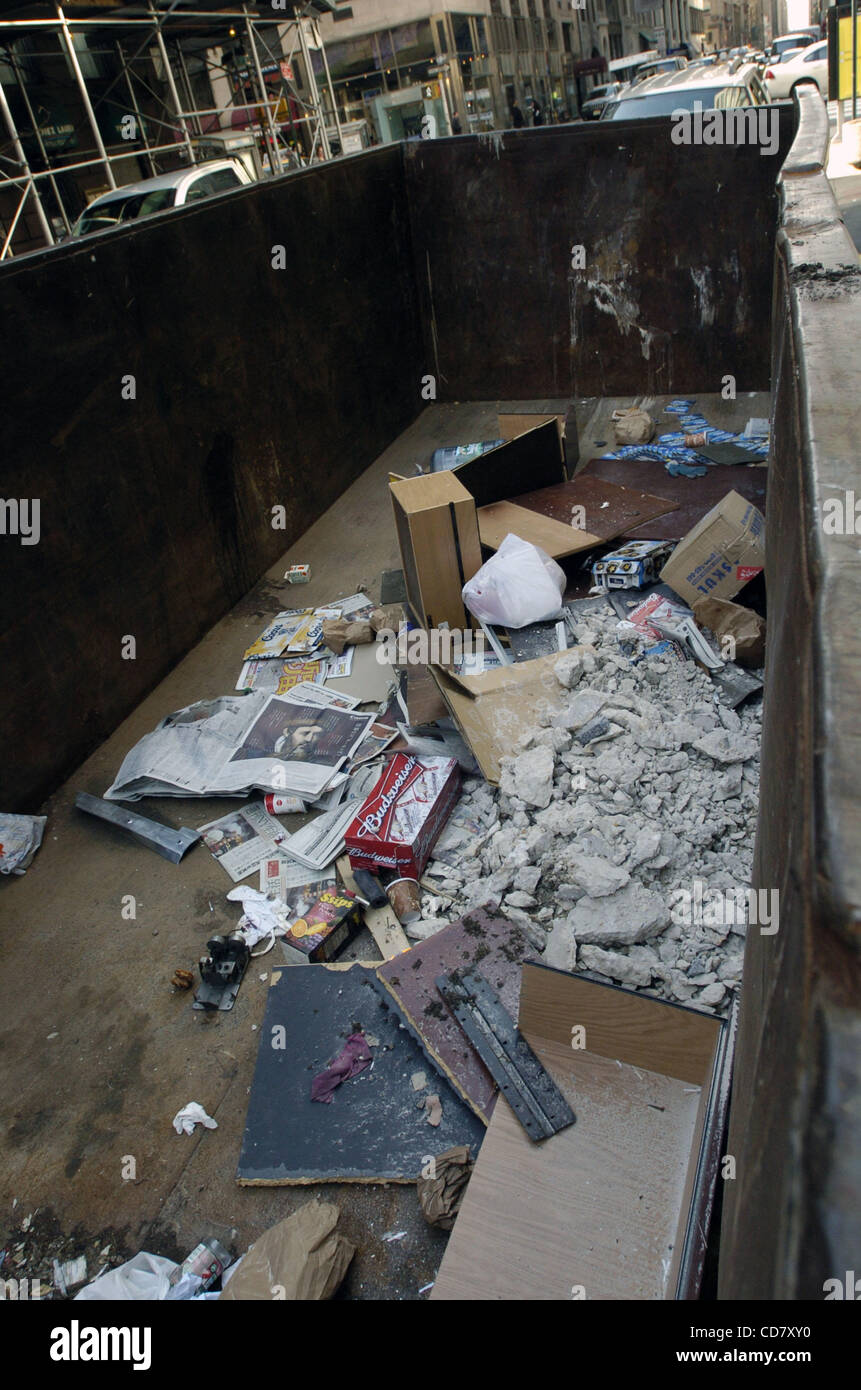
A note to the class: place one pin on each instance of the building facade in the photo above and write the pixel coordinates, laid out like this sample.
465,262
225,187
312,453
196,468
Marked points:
396,62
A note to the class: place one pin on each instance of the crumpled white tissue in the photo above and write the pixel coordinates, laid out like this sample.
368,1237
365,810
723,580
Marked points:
190,1115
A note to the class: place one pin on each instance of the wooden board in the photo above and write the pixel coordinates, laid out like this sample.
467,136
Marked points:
693,496
544,517
497,947
610,509
500,518
381,922
668,1038
374,1130
595,1207
535,455
603,1206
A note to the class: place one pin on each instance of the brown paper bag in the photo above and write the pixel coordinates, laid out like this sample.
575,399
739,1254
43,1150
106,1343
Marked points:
301,1258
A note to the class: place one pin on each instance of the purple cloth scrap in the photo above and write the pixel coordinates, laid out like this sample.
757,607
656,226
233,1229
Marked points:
354,1056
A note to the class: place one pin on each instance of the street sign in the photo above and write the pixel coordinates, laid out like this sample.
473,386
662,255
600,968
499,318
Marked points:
661,42
286,70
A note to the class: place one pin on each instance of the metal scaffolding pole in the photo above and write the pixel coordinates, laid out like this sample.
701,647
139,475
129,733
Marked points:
312,87
168,72
137,110
277,166
16,68
22,160
85,96
188,90
332,93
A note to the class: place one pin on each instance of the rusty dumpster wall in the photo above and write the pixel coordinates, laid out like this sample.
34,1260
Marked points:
792,1216
254,388
675,293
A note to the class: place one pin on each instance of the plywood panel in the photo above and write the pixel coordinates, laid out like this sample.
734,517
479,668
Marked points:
693,496
375,1129
497,947
619,1024
595,1206
558,539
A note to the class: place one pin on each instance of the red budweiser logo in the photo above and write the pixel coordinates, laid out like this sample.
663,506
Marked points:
376,815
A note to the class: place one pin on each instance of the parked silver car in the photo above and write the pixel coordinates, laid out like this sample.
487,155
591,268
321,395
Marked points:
158,194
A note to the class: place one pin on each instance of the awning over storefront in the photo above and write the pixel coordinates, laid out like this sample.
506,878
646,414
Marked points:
584,65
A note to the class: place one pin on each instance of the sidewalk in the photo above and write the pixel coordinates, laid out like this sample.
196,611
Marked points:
845,178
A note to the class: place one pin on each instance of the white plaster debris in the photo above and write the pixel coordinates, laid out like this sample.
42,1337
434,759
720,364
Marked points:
586,844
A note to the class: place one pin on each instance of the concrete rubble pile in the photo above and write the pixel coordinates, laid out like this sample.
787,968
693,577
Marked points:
607,819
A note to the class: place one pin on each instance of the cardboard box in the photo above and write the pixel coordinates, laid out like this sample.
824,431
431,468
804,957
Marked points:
618,1205
631,566
720,554
327,926
493,709
397,825
437,529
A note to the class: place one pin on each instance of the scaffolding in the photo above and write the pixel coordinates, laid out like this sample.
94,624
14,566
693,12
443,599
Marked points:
141,39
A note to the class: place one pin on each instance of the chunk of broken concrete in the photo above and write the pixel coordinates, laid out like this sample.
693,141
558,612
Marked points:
595,876
633,914
726,747
529,777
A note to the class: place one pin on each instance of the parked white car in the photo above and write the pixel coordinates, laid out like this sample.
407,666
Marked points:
598,98
799,38
809,65
721,85
158,194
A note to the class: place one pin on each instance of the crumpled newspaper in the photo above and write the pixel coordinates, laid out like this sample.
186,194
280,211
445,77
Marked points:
20,837
190,1115
261,916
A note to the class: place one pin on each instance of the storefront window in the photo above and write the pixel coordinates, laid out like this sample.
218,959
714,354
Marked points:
462,34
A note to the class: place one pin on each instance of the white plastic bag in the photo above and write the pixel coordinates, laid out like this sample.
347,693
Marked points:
518,585
144,1278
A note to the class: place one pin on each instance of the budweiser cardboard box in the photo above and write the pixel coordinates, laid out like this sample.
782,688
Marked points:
720,554
399,821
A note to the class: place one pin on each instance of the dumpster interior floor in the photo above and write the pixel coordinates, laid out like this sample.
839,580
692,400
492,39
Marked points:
99,1052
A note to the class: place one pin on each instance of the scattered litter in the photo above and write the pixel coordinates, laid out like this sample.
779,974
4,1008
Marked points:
399,821
144,1278
302,1258
221,972
69,1275
190,1115
419,1080
241,841
632,565
20,837
163,839
720,554
632,426
393,1235
353,1058
441,1195
298,574
518,585
182,979
433,1110
325,928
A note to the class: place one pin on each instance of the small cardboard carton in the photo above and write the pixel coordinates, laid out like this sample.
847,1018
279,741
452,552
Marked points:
398,823
631,566
722,552
327,926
